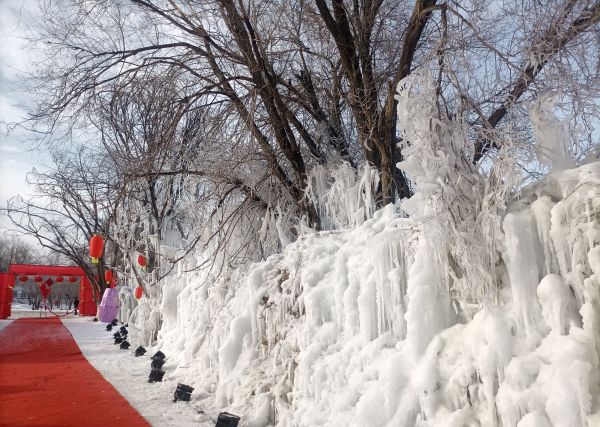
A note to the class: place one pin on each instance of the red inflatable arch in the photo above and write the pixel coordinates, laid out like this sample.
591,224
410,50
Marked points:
87,306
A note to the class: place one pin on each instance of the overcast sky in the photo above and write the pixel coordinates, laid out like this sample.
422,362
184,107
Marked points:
17,156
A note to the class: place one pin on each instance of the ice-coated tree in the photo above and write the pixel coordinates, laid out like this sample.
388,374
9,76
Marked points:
214,115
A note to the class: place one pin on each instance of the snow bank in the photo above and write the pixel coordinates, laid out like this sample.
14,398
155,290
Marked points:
353,327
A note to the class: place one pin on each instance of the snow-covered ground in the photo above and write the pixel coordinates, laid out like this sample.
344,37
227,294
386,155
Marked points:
129,375
4,323
17,306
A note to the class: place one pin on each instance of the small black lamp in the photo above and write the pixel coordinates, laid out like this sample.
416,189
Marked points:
118,340
109,327
140,351
183,392
156,376
123,330
226,419
124,345
157,363
159,355
115,322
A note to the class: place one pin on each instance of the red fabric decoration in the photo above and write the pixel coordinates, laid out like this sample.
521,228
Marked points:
42,366
23,278
96,247
138,292
49,282
45,290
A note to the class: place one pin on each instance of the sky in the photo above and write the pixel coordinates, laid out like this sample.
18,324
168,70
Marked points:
18,155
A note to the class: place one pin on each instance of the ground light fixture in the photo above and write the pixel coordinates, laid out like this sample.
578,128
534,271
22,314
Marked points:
115,322
118,338
183,392
109,327
158,355
124,345
157,363
156,375
140,351
123,330
226,419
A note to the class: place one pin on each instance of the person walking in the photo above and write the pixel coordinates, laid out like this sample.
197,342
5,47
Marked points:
75,305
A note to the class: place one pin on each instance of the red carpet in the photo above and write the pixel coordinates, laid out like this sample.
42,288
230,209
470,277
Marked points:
46,381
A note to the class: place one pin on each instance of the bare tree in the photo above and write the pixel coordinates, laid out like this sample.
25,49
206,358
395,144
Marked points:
15,250
73,202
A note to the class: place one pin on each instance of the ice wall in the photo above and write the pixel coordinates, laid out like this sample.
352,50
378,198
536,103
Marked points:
459,307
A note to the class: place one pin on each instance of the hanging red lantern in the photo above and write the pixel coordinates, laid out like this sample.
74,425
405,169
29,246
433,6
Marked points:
138,292
142,260
23,278
96,247
38,279
60,279
72,279
108,276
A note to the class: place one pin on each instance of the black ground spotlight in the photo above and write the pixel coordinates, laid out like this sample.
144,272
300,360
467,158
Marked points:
123,330
159,355
109,327
226,419
156,376
183,392
117,334
124,345
115,322
140,351
118,340
157,363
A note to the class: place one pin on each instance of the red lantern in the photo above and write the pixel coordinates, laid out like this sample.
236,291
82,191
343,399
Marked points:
138,292
142,260
60,279
23,278
72,279
108,276
49,282
96,247
38,279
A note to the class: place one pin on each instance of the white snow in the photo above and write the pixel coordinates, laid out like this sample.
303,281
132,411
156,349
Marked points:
4,323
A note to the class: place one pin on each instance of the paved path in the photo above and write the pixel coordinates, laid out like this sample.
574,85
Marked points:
46,381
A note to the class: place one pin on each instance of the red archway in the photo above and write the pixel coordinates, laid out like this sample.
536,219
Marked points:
87,306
